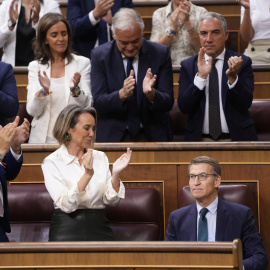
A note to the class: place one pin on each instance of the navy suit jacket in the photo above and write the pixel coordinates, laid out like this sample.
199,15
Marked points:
9,103
233,221
235,101
107,78
84,33
9,173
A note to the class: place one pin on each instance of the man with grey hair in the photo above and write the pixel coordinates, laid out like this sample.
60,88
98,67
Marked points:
132,84
213,219
216,88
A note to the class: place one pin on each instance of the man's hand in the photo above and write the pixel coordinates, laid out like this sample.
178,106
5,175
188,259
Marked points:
203,68
128,87
148,85
244,3
21,135
7,134
102,7
234,64
107,17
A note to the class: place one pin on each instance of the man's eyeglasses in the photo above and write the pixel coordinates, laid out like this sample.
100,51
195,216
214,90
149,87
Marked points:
201,176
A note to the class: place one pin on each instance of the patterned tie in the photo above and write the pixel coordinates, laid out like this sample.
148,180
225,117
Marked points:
214,108
203,229
102,32
133,112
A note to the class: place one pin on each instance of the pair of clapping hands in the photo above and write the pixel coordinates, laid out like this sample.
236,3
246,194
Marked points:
14,13
13,136
119,165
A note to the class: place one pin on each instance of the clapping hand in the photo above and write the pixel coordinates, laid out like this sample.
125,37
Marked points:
35,10
121,163
148,84
44,81
203,68
21,134
13,11
74,81
7,134
87,160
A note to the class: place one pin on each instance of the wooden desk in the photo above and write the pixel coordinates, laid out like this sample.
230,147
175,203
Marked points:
118,255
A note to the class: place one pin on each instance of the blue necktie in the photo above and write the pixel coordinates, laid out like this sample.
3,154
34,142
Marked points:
133,112
203,228
102,32
214,108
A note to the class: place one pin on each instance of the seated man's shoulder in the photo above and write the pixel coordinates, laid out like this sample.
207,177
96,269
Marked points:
182,211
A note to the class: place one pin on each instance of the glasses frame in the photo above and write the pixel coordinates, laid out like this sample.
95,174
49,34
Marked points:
199,175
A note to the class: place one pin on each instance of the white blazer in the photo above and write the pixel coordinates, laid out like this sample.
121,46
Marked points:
7,37
40,108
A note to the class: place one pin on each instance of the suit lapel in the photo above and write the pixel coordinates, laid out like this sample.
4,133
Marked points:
222,219
117,66
192,224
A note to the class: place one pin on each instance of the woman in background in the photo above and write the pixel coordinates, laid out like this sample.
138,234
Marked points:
18,24
255,29
79,180
56,78
176,27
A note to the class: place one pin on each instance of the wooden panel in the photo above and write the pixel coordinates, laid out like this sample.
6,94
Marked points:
135,255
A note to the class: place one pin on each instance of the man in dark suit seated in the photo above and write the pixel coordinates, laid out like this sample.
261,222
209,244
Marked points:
90,21
11,138
9,103
213,219
132,84
216,97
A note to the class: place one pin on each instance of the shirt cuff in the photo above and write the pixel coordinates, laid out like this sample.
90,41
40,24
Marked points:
232,85
92,18
16,156
199,82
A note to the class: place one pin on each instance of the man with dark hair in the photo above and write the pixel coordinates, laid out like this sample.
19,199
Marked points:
213,219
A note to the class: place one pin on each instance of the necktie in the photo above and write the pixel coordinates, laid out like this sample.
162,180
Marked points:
102,32
203,229
214,109
133,112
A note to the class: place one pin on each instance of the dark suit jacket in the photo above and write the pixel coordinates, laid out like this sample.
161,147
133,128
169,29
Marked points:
107,78
235,101
84,33
233,221
9,103
7,174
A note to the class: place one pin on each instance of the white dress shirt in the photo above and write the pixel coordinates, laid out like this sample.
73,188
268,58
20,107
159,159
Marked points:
62,172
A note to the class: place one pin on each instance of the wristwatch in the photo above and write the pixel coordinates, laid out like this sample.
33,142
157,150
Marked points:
170,32
10,24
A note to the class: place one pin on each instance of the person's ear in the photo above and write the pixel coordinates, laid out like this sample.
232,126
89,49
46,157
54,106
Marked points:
217,181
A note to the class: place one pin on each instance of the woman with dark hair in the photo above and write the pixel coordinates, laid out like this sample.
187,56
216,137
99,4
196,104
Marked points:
79,180
56,78
18,23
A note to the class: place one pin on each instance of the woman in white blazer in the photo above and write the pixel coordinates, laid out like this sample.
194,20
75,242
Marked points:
11,15
57,78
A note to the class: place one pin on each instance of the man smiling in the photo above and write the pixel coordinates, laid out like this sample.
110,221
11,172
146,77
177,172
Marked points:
222,221
132,84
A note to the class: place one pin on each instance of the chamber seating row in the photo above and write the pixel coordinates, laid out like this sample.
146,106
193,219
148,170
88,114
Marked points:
136,218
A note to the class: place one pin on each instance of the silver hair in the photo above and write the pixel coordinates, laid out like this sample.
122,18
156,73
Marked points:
124,20
210,15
